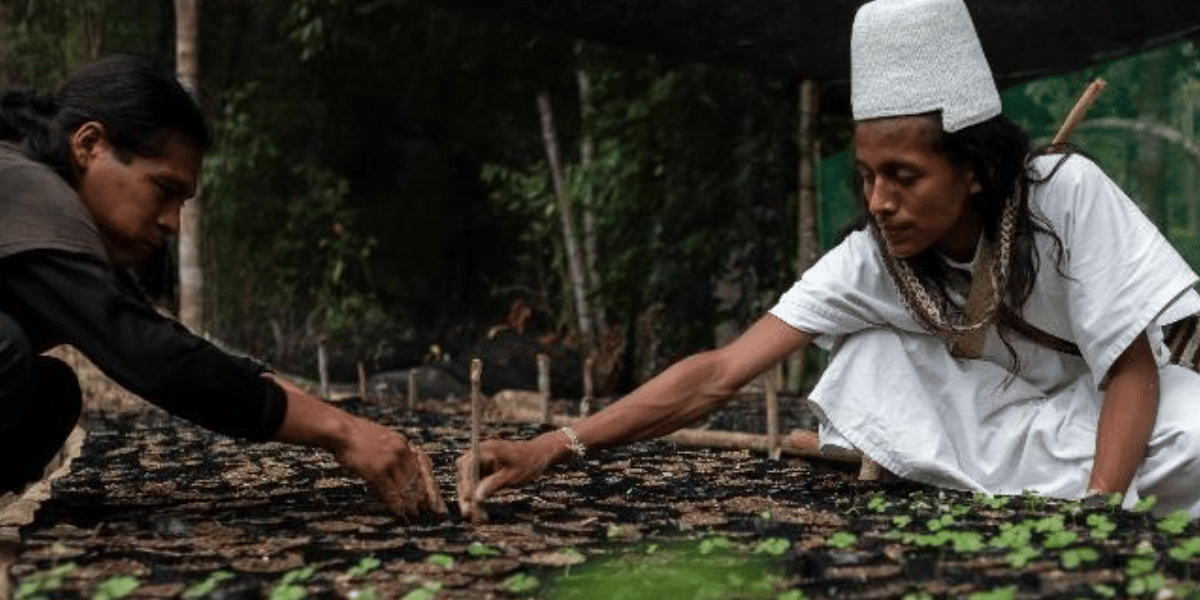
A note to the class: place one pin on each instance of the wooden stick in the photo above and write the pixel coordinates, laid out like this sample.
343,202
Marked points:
1085,102
771,382
362,381
412,390
543,379
585,405
870,470
477,513
798,442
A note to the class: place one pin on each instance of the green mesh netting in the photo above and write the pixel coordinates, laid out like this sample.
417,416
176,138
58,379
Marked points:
1142,131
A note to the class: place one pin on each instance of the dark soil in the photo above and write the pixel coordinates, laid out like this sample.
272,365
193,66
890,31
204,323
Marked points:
158,499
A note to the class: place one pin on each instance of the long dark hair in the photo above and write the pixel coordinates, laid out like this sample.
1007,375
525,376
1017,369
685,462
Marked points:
139,107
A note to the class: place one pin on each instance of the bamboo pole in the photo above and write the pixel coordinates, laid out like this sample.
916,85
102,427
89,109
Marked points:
477,514
585,405
798,442
543,380
1085,102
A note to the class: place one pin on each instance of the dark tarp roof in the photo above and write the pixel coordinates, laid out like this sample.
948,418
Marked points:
808,39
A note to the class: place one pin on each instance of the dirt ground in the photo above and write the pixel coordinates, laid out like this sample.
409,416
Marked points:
166,508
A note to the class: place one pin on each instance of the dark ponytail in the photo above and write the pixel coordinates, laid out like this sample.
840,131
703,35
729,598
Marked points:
139,107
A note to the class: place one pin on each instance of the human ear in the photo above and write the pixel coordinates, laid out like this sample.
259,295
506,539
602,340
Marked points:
85,143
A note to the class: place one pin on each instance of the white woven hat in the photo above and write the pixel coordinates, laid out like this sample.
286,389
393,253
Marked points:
910,57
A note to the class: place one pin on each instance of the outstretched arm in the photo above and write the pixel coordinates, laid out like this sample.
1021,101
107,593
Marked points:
1126,419
683,393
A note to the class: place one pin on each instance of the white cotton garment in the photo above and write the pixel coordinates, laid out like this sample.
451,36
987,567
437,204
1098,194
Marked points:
910,57
895,392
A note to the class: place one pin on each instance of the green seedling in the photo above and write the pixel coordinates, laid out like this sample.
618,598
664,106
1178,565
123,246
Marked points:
115,588
792,595
1146,584
1140,565
959,510
478,550
364,593
1100,526
206,587
708,545
1075,557
879,504
365,565
1033,501
1007,592
444,561
1145,504
901,521
775,546
1020,557
521,583
427,591
1186,550
1013,536
1051,523
1174,522
291,585
1060,539
992,502
841,539
940,523
1104,591
38,584
922,595
967,541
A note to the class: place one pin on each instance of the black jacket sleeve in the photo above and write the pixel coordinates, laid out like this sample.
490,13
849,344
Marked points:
77,299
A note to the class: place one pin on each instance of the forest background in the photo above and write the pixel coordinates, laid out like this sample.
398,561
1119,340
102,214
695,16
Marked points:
402,181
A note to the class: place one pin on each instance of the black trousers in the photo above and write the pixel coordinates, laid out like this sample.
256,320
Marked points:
40,402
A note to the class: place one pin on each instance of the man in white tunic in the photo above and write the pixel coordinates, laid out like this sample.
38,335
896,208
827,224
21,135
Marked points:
995,325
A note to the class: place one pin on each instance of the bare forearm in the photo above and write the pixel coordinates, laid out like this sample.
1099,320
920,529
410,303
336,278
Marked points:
1126,419
311,422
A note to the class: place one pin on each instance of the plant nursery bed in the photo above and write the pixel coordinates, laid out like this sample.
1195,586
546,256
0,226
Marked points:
157,508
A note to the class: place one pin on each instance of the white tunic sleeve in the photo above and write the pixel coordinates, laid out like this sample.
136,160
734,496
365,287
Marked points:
846,291
1122,274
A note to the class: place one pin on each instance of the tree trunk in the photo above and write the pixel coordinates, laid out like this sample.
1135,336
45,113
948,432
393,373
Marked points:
191,282
567,217
586,151
806,232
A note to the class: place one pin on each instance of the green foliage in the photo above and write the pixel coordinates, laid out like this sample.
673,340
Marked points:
207,586
520,583
480,550
841,539
792,595
40,584
1100,525
1019,557
444,561
291,585
1145,504
1007,592
774,546
427,591
710,545
1174,522
1075,557
364,566
1186,550
116,587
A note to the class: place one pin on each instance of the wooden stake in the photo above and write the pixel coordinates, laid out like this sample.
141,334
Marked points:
362,381
322,369
476,400
870,470
585,405
771,382
1085,102
412,391
543,378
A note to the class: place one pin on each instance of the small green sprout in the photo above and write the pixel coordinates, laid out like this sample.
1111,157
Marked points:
444,561
365,565
967,541
1104,591
363,593
1049,524
1020,557
1145,504
901,521
115,588
1100,526
775,546
521,583
792,595
1146,584
35,586
1007,592
841,539
940,523
1186,550
1175,522
1075,557
206,587
959,510
921,595
1013,536
878,503
427,591
478,549
291,585
1060,539
708,545
1140,565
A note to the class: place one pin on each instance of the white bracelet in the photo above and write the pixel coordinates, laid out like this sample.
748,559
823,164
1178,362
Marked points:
574,445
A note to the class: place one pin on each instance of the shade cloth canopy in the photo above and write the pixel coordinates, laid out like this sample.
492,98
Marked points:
1023,39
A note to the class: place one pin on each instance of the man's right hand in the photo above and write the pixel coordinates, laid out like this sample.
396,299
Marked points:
506,464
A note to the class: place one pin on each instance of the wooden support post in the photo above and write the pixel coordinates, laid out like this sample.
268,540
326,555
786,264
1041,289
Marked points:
585,405
322,369
771,380
362,382
411,399
543,380
476,417
869,470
